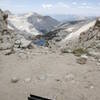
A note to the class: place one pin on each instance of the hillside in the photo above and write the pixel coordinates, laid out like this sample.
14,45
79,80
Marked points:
31,23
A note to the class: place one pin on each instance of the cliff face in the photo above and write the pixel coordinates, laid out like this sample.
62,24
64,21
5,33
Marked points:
6,36
90,37
10,40
3,21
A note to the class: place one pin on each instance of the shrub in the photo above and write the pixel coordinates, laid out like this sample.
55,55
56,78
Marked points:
79,51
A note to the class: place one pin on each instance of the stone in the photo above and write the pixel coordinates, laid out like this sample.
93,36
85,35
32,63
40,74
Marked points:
17,50
65,50
98,46
14,80
25,43
82,59
98,60
42,77
27,80
17,44
23,55
84,56
91,87
57,80
98,64
5,46
7,52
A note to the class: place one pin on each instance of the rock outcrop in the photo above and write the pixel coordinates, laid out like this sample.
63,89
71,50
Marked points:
10,40
83,38
88,40
6,35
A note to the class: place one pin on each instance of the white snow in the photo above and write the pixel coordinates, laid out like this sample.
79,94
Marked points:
21,23
76,34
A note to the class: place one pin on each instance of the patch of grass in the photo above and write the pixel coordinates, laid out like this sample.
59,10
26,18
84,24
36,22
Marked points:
79,51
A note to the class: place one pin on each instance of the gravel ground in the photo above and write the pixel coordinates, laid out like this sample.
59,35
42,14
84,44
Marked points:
51,75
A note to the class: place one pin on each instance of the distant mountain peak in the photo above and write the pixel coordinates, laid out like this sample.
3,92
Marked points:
32,22
70,17
29,14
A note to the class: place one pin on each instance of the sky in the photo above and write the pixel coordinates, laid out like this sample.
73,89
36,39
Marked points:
61,7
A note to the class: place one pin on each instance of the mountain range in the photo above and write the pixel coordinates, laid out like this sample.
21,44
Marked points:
63,34
31,23
35,24
71,17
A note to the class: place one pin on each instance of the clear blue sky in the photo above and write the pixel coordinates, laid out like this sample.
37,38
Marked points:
80,7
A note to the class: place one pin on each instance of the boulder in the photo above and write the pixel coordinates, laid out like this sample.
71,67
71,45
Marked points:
94,54
65,50
27,80
25,43
82,59
5,46
8,52
98,46
14,80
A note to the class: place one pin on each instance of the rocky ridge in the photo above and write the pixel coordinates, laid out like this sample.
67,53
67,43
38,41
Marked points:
88,42
6,35
10,40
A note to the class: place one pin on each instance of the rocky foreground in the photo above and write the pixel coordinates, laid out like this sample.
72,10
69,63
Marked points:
48,74
59,74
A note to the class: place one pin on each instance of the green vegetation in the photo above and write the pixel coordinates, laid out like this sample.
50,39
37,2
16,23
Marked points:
79,51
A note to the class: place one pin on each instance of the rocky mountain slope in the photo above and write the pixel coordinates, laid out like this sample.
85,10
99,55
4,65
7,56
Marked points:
74,35
63,29
43,24
80,37
20,23
6,36
32,23
84,37
11,40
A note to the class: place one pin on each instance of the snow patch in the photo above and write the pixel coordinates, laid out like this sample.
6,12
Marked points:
22,24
